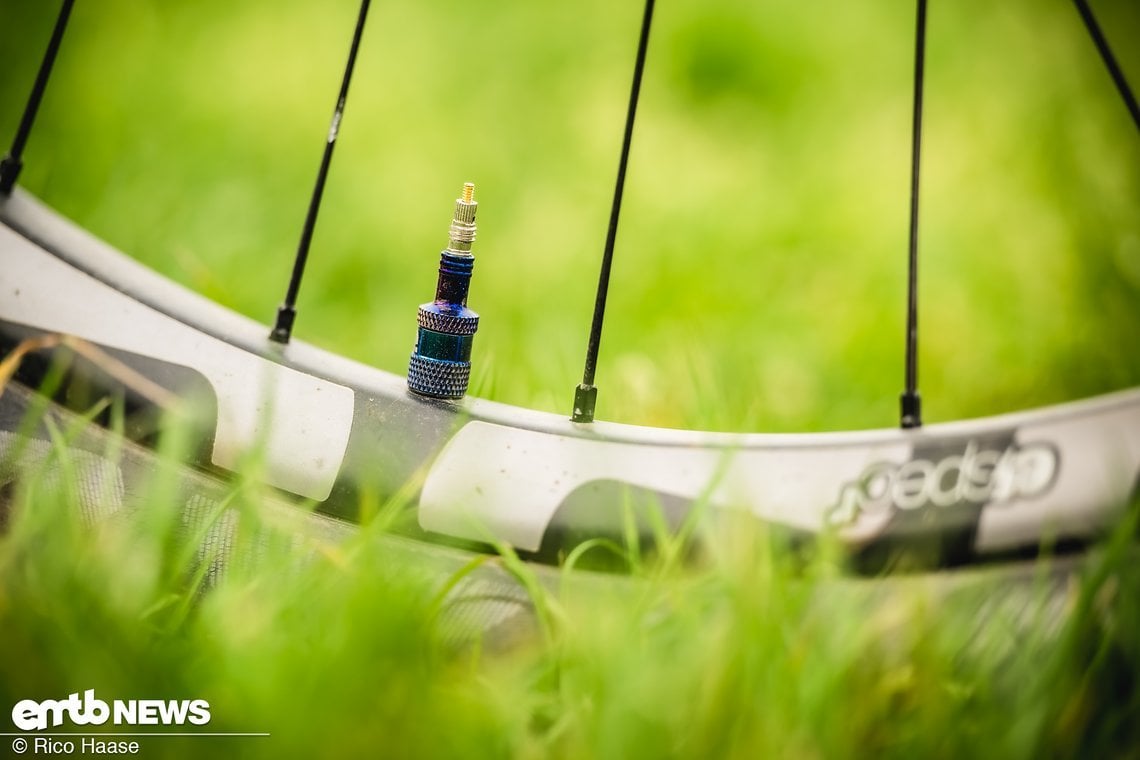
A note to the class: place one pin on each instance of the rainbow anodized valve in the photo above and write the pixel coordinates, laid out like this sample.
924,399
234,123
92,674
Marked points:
441,363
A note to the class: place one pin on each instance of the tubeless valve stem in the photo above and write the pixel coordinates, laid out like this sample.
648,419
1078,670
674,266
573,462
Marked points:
440,366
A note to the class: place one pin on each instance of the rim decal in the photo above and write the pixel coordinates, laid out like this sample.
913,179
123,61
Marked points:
947,482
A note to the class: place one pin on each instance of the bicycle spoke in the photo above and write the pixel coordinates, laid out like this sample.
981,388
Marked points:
1109,59
910,401
13,162
287,312
586,395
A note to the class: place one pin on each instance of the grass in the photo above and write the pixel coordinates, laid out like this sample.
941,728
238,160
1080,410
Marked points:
757,287
337,645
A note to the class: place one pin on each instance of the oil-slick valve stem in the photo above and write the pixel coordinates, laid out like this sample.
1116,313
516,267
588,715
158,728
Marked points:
441,363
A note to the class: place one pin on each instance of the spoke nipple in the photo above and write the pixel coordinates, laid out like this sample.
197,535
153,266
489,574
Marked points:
585,401
910,406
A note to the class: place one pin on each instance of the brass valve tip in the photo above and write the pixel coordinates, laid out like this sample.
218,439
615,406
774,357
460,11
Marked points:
462,231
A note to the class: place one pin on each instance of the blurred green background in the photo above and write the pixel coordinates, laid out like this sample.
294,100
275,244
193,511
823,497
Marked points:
759,281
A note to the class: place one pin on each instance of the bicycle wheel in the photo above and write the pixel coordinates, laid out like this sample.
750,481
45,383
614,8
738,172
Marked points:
541,483
538,480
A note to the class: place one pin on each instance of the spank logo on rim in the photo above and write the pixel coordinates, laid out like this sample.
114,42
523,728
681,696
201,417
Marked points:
30,715
948,481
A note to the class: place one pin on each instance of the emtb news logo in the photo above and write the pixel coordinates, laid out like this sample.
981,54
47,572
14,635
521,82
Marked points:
30,715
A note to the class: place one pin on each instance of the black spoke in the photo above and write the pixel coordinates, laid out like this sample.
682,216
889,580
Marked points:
287,312
910,401
1109,59
585,395
13,162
